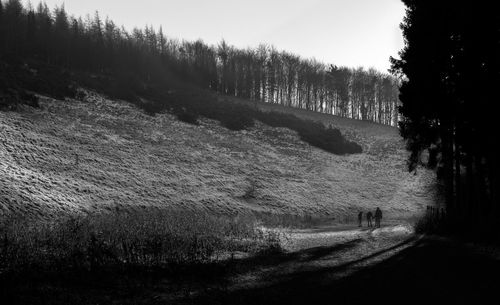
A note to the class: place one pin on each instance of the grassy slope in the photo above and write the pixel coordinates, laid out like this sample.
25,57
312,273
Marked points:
130,160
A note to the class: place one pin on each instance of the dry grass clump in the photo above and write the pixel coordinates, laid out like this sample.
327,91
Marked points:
128,239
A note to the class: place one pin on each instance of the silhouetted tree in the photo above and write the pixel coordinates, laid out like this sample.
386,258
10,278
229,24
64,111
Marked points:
450,70
145,58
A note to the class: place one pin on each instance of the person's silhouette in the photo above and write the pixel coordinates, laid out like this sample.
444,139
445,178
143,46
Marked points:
378,217
369,217
360,219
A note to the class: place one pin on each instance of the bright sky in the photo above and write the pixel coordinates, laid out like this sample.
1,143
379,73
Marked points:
343,32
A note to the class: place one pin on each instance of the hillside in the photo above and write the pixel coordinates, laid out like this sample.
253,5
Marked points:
100,154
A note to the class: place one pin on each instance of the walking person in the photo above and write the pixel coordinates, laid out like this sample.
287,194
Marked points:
369,217
360,219
378,217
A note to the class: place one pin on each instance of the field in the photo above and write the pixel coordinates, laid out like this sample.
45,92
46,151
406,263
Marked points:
95,154
170,212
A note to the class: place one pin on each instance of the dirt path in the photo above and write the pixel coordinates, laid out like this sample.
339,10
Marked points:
346,248
325,265
339,250
335,251
391,265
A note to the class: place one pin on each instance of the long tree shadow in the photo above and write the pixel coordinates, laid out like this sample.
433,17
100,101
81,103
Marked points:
429,272
320,271
270,260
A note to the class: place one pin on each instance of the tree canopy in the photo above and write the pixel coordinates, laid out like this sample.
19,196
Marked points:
146,57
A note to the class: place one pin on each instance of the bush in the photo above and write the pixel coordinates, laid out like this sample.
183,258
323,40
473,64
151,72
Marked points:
330,140
235,117
314,133
187,117
12,93
12,98
151,108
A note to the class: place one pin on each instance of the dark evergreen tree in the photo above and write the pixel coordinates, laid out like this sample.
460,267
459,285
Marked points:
450,70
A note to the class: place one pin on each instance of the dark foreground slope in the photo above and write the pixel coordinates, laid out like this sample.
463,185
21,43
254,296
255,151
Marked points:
406,269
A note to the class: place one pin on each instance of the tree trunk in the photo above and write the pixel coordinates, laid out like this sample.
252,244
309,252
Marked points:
458,183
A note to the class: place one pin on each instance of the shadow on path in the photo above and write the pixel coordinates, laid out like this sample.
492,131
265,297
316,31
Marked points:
429,272
272,260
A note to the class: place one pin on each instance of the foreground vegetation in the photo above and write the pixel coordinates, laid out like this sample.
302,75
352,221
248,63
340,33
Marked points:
152,239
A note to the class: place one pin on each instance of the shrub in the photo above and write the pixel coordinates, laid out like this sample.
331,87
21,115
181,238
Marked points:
187,117
235,117
151,108
314,133
12,98
330,140
12,91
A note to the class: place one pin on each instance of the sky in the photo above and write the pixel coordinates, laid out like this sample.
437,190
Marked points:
349,33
